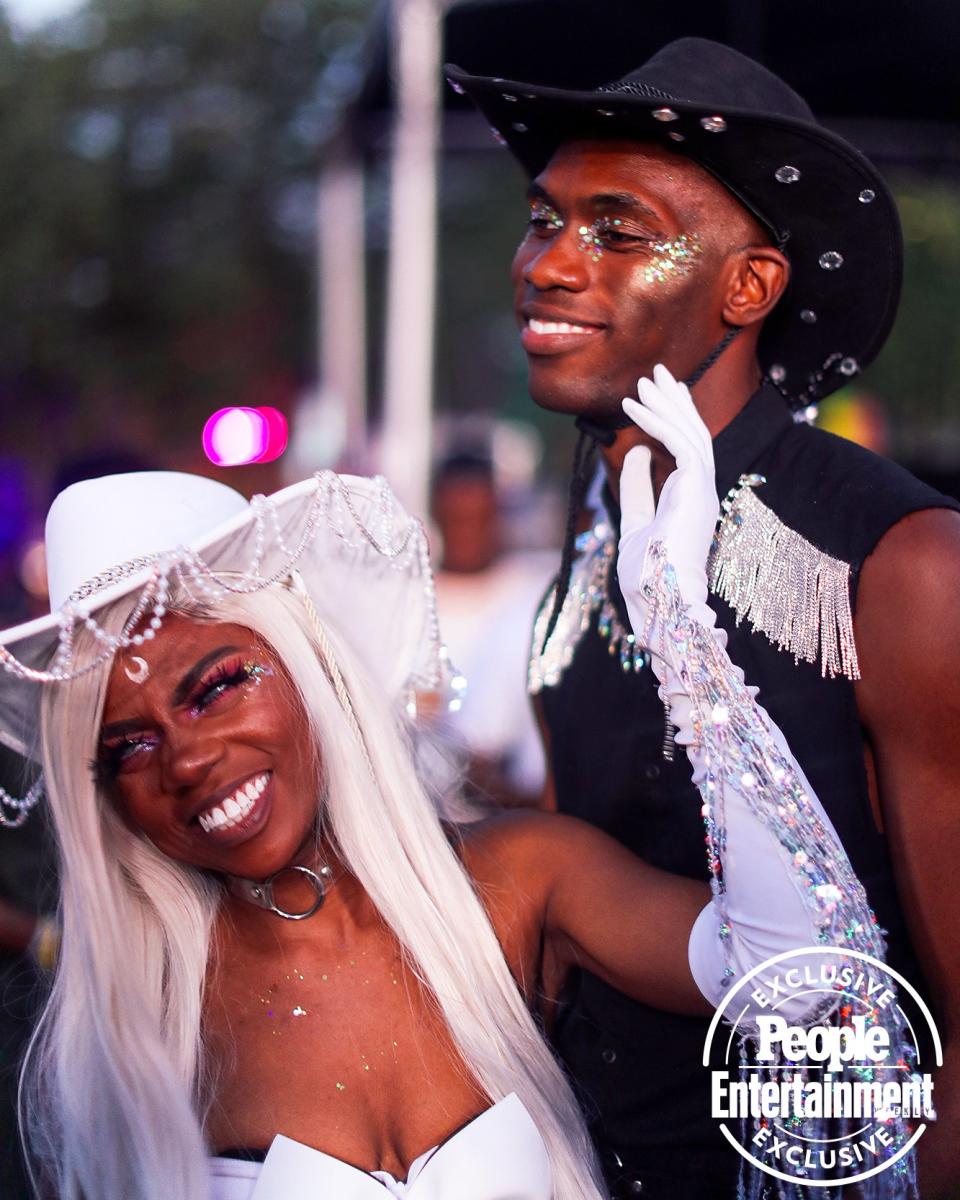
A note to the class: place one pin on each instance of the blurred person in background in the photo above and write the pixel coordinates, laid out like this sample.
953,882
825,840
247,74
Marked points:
486,598
695,213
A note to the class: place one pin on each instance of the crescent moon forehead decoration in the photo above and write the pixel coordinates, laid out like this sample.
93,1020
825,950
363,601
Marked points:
137,670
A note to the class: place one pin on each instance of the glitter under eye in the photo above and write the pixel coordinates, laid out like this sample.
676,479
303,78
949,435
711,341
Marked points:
673,259
588,240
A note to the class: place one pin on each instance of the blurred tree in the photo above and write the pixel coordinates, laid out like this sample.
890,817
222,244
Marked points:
158,210
918,372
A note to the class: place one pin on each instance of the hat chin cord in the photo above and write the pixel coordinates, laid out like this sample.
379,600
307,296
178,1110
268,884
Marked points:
603,433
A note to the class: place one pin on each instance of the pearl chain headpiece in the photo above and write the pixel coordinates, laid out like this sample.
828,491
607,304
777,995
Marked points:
331,501
383,533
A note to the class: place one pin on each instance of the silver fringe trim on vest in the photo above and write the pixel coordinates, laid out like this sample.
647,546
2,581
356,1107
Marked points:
794,594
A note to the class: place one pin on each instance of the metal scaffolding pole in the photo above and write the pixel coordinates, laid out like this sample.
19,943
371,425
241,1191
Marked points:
411,283
342,300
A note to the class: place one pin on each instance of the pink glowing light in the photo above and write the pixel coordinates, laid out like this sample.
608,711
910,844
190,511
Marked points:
234,436
276,433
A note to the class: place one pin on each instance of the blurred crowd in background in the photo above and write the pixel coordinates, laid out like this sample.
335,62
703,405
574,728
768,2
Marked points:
162,165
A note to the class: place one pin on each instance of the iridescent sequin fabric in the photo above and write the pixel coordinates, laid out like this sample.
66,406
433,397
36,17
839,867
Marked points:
736,754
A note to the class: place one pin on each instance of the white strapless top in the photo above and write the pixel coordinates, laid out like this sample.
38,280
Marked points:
499,1155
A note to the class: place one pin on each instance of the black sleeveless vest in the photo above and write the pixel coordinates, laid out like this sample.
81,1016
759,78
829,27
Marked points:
637,1069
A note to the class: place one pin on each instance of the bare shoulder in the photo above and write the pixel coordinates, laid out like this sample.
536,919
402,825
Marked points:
919,555
907,623
528,840
910,586
533,852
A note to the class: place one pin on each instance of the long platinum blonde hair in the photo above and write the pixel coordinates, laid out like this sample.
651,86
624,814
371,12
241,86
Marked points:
116,1080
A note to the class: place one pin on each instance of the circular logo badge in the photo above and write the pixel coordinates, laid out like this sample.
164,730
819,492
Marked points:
823,1100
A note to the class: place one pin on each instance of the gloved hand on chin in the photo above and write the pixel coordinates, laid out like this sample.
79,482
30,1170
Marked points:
685,516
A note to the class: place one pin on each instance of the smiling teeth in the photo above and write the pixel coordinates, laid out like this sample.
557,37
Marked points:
231,811
555,327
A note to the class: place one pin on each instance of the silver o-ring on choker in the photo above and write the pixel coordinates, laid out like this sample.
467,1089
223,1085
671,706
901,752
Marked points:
261,894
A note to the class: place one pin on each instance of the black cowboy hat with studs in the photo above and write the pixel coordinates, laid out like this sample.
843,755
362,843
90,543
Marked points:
822,201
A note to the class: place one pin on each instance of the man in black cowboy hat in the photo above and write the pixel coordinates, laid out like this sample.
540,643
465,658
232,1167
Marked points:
696,214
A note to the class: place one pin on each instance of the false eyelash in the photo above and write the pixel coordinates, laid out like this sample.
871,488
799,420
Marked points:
98,771
231,673
106,766
228,675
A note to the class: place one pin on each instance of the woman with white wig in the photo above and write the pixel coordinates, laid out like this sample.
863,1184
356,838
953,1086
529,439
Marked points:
282,974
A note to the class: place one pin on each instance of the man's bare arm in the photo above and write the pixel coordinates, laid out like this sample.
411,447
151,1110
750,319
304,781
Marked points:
908,640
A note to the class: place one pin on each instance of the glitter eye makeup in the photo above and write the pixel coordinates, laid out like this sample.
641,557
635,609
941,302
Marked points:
228,676
672,260
112,757
591,237
544,216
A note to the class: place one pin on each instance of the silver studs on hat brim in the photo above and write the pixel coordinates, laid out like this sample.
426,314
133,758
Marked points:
714,124
845,364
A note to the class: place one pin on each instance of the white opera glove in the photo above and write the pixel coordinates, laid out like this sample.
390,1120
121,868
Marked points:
686,513
682,521
781,878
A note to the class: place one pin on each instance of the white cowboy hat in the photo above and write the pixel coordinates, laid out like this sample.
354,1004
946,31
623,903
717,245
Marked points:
362,559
